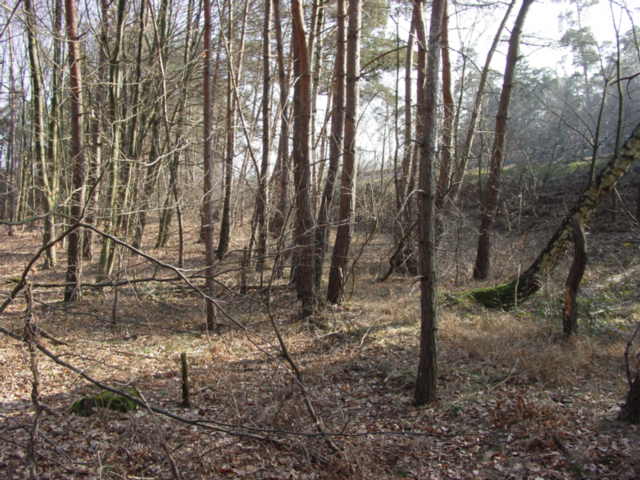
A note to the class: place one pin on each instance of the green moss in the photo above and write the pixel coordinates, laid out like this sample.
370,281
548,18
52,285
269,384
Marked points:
86,406
498,296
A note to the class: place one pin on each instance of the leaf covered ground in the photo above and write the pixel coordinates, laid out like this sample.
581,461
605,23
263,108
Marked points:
515,401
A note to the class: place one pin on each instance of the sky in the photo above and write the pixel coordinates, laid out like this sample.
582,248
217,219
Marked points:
544,23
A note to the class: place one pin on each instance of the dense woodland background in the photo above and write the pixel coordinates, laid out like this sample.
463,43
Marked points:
269,239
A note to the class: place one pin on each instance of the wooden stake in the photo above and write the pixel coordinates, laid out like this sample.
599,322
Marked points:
186,403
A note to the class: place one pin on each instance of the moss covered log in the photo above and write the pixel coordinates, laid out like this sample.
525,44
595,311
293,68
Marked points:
86,406
508,295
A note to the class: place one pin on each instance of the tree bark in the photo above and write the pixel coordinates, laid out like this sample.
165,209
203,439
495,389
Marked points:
74,251
425,390
281,170
347,181
335,143
261,195
444,177
43,167
490,199
304,224
569,312
207,202
522,287
463,158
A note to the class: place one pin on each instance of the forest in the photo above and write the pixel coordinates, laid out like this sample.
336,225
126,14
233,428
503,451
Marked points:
320,239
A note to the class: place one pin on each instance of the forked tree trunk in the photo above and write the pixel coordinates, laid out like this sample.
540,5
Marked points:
489,204
347,182
304,224
522,287
425,390
74,257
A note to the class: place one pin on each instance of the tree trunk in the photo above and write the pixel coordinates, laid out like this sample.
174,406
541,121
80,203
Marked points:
304,224
225,222
425,390
569,312
208,99
630,411
261,195
490,198
74,257
519,289
335,143
463,158
44,176
444,178
281,170
347,182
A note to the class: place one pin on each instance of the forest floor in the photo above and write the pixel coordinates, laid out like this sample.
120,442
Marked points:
514,400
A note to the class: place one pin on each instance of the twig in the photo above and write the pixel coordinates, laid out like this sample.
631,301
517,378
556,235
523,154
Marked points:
174,467
30,338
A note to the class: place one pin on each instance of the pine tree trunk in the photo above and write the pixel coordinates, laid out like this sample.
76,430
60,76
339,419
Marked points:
489,204
335,143
281,169
347,182
425,390
304,224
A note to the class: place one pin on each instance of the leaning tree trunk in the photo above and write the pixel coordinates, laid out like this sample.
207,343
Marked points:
489,204
519,289
463,158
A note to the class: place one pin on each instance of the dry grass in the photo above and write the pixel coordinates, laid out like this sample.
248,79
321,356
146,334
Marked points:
510,389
